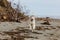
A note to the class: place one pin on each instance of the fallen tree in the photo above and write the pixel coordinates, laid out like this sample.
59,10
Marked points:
7,13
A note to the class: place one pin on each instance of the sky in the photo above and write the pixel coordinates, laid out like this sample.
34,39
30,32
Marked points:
41,8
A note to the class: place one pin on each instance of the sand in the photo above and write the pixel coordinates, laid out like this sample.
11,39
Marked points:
52,34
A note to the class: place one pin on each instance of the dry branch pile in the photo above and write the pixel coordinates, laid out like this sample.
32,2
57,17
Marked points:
7,13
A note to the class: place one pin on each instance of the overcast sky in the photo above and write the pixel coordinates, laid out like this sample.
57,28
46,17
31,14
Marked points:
42,7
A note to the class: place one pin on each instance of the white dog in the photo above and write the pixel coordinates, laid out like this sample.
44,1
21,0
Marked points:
32,22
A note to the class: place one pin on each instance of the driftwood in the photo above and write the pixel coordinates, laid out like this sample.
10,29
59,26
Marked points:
46,21
7,13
